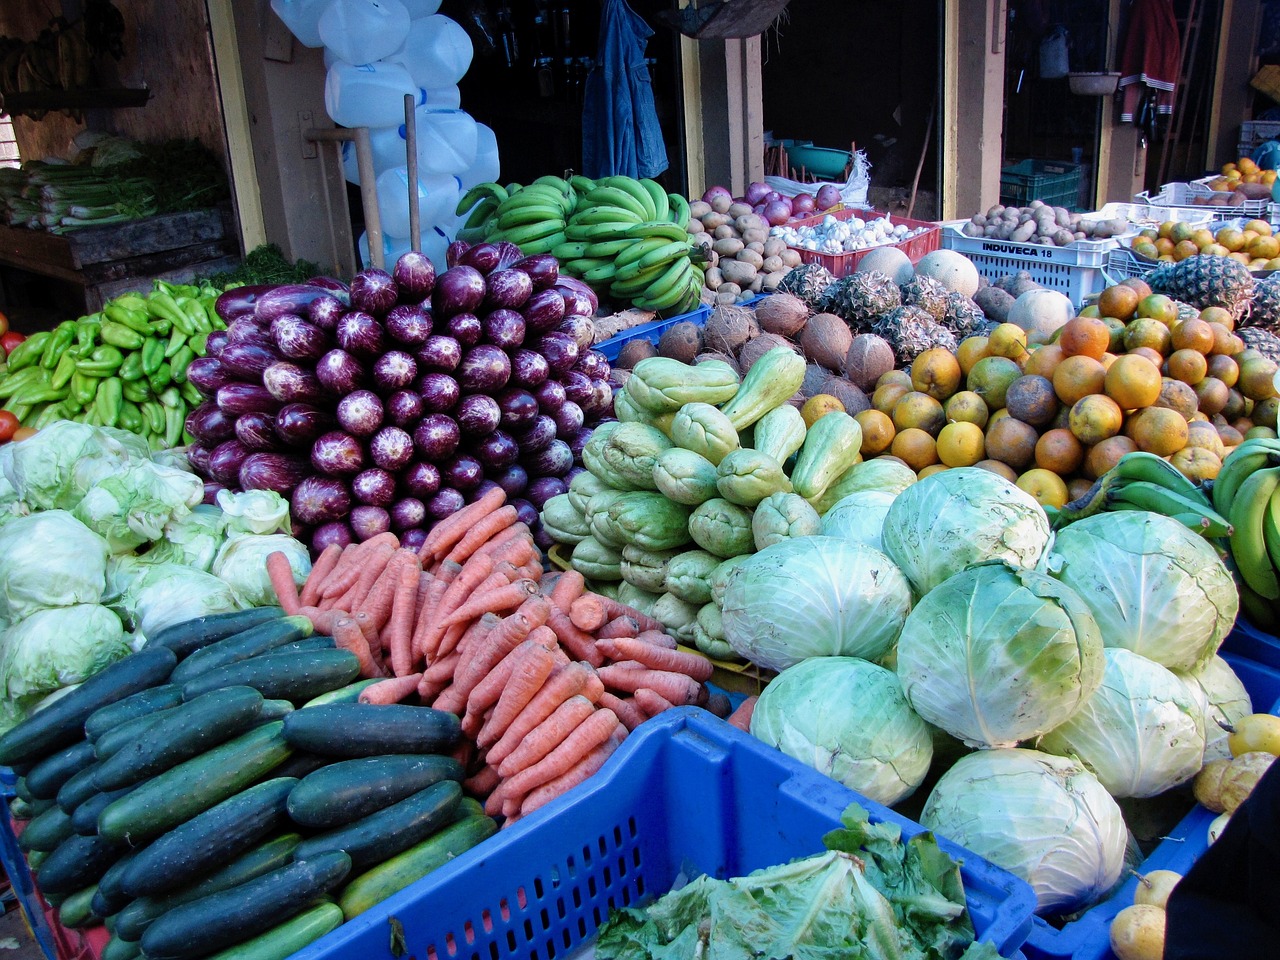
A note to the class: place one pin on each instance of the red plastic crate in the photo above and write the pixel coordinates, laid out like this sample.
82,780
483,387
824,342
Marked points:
843,264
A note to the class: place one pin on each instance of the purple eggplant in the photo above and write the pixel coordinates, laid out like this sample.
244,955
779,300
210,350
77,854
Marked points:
436,437
519,408
325,312
198,457
319,499
508,253
374,486
577,387
408,324
257,431
439,352
215,342
550,396
542,268
290,383
574,471
594,364
462,472
601,402
332,284
576,304
337,454
445,503
336,533
361,413
297,339
367,522
543,311
237,398
453,253
209,424
299,424
554,461
543,489
504,328
566,284
408,514
225,460
485,368
483,256
415,276
497,451
439,392
581,329
513,480
460,289
569,419
280,472
391,448
529,368
211,490
485,486
420,479
289,298
579,440
247,360
373,291
405,408
239,301
561,352
466,328
526,512
415,538
339,372
360,334
508,288
478,414
394,370
249,330
537,436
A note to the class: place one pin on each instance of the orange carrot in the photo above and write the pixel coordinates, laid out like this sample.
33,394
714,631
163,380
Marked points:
451,700
441,669
613,608
345,573
428,690
321,569
563,683
506,597
651,703
572,747
473,722
401,622
568,588
504,637
466,633
676,687
514,537
657,658
391,690
425,580
623,626
456,593
658,638
584,768
441,538
547,735
625,708
347,635
365,623
427,614
483,530
281,576
587,613
371,567
486,693
481,784
741,718
576,643
530,670
379,599
320,619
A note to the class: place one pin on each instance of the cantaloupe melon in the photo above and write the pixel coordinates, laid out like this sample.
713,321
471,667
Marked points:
1040,313
953,270
890,261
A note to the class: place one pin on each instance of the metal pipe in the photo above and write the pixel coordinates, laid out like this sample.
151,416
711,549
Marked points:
411,148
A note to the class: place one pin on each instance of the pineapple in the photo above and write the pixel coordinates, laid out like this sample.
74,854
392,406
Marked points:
862,298
1205,281
1262,340
910,332
927,294
963,317
807,281
1265,310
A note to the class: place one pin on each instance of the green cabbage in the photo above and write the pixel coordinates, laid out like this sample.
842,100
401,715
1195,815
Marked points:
254,511
150,596
1154,587
49,559
1043,818
193,539
242,563
815,597
859,517
996,655
53,648
132,506
1141,733
849,719
960,517
53,469
1223,699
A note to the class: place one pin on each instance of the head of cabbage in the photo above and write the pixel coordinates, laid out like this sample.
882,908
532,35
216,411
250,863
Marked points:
1043,818
53,469
958,518
59,646
859,517
996,655
814,597
847,718
1153,586
1223,699
242,563
1141,733
49,559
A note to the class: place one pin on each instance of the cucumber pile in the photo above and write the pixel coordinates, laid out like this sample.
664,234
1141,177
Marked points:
222,793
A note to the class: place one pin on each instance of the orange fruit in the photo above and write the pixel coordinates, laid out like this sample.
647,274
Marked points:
970,351
1264,248
1032,400
1059,450
1211,395
1011,441
1235,407
1079,487
966,407
1138,284
997,415
886,397
990,379
1264,412
1145,332
1048,489
1133,382
1185,248
1189,366
877,431
1194,334
1116,329
1231,238
1218,315
1260,227
1001,469
1096,418
1257,379
1231,437
1007,340
961,444
1077,377
936,372
1086,336
819,405
1258,432
1159,307
1106,454
916,409
1119,301
1044,360
930,470
1159,430
1224,368
1181,231
1178,396
1202,433
1197,464
915,448
895,376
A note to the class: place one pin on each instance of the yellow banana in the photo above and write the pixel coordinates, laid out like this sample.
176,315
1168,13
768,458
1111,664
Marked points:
1248,543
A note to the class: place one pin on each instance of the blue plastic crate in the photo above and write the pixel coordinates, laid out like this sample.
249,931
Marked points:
15,868
1246,640
652,332
1089,937
685,793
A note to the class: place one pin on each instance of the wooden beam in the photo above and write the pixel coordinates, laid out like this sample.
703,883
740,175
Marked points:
1236,63
695,145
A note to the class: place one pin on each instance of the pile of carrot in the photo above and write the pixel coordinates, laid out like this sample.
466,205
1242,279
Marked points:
547,677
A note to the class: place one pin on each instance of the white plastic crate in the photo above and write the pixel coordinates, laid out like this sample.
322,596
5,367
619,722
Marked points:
1148,215
1123,263
1185,195
1074,270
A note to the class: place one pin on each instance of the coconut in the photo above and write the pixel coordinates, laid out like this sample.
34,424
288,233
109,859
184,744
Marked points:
869,358
753,350
633,351
826,340
722,357
853,399
681,342
814,377
782,313
728,328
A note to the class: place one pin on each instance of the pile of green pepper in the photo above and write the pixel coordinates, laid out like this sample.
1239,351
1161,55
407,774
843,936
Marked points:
125,366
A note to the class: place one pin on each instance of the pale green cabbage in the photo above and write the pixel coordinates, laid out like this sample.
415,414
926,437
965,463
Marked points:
132,506
996,655
150,596
1154,587
1141,732
49,559
1223,699
960,517
56,647
254,511
242,564
849,719
193,539
814,597
54,468
859,517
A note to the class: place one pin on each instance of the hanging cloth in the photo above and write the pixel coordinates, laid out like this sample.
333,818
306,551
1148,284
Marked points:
1151,57
620,131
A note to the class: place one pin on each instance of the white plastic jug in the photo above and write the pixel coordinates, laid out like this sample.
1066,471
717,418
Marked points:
437,52
447,141
369,95
362,31
435,242
443,98
485,168
387,146
302,17
437,196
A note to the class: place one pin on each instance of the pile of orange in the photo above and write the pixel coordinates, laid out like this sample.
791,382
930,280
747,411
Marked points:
1241,171
1253,243
1135,371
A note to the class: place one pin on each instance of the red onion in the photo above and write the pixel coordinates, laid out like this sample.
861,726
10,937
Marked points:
777,212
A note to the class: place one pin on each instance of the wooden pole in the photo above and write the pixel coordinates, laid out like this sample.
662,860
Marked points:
411,148
368,183
924,150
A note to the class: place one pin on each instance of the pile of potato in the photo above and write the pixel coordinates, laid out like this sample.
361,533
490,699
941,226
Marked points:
1042,224
742,259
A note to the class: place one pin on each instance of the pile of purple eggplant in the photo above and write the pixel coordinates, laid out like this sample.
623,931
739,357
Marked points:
391,403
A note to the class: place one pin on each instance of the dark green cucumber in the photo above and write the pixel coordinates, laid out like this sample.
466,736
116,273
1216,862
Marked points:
349,790
275,710
114,740
139,705
392,830
365,730
300,764
306,646
62,723
111,898
270,855
51,773
47,830
20,809
193,786
84,819
289,937
208,840
222,919
468,807
77,862
282,676
240,646
186,732
77,910
79,788
117,949
375,885
189,636
22,791
34,859
348,694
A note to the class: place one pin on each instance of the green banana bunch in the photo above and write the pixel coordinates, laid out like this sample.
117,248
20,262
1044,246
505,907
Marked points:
1247,490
